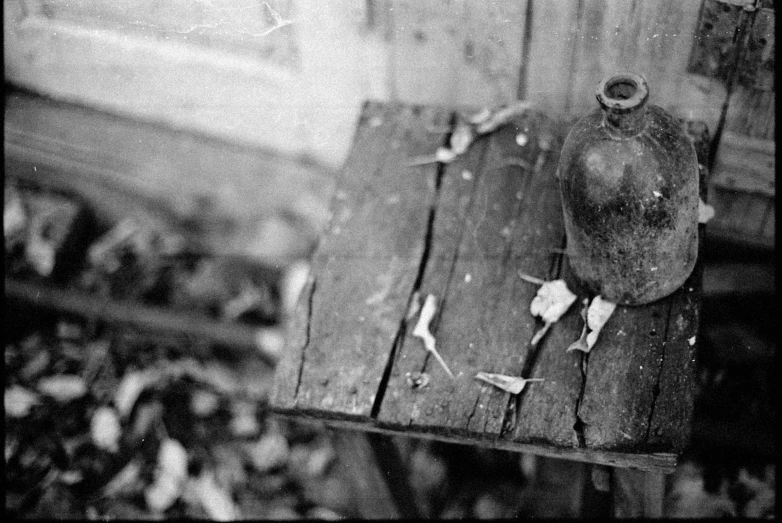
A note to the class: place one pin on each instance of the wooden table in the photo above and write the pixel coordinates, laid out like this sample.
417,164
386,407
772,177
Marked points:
463,231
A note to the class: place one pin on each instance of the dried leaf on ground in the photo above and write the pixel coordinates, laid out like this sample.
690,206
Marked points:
63,387
132,385
269,452
162,493
204,403
172,458
125,480
105,429
512,384
19,401
244,422
215,500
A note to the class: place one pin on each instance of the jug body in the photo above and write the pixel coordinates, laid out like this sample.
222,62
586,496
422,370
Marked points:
628,177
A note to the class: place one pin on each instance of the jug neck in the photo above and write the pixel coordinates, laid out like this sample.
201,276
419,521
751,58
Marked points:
622,97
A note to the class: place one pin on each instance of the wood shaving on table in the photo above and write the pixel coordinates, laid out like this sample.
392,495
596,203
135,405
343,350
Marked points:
421,330
512,384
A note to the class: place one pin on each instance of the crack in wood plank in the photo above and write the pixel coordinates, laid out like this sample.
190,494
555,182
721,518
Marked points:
426,253
306,344
656,388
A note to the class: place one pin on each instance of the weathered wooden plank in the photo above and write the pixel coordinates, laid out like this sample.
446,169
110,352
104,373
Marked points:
547,411
651,38
453,205
752,113
745,164
741,217
661,461
484,323
366,265
623,371
675,390
743,213
491,52
756,69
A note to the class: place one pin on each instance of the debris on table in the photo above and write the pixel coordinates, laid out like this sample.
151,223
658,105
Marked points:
705,212
421,330
581,343
550,303
489,121
467,130
512,384
417,380
597,314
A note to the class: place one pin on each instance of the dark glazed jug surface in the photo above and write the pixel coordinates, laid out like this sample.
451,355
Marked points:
629,180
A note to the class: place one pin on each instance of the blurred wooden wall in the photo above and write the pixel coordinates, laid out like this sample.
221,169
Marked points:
290,75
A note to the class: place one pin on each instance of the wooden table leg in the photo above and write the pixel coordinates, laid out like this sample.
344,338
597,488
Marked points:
378,475
638,494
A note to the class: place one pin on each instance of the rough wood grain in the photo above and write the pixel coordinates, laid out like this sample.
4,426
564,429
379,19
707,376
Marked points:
652,38
511,225
367,264
622,377
659,461
548,410
493,214
745,164
456,53
675,391
550,58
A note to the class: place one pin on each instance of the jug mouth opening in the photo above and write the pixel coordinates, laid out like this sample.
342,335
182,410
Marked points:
623,92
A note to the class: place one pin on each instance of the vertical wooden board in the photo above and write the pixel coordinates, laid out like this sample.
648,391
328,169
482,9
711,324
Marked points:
287,372
547,411
756,68
505,230
675,399
457,53
651,38
663,38
425,51
597,50
453,204
622,377
743,213
550,56
491,52
751,112
367,263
